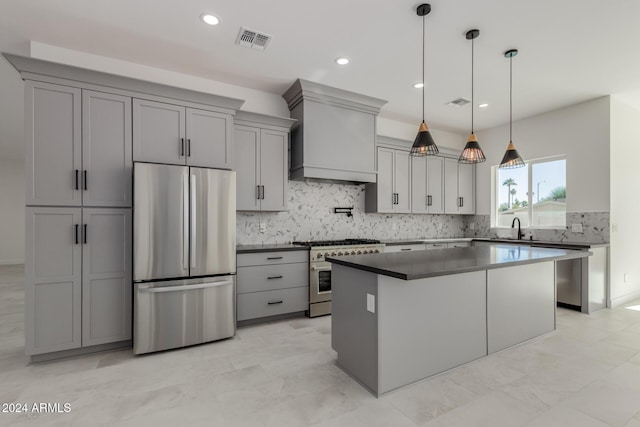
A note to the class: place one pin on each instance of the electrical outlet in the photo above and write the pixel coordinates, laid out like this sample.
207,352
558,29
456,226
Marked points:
371,303
614,227
472,226
576,228
394,226
626,277
263,227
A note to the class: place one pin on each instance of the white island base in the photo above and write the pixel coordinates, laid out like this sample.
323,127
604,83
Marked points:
390,332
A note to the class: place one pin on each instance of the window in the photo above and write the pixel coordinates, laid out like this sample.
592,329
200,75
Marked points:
536,194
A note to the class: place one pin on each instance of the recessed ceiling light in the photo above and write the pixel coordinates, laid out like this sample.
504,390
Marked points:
209,19
418,85
483,105
342,61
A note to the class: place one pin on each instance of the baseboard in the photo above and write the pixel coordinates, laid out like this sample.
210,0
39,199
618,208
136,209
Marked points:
618,301
11,261
46,357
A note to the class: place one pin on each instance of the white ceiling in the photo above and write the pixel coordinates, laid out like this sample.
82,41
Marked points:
570,50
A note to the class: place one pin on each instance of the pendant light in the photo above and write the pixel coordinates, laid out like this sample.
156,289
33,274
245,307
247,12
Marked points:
511,157
472,153
424,145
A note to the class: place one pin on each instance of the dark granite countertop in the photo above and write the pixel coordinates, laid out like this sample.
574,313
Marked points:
397,242
442,262
544,243
277,247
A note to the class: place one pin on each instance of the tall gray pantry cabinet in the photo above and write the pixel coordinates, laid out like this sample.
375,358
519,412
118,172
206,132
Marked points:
78,218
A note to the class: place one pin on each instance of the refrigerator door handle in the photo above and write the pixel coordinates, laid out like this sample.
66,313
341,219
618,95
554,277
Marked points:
185,222
186,287
193,221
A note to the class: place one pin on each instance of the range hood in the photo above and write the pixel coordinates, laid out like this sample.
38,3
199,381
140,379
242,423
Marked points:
334,138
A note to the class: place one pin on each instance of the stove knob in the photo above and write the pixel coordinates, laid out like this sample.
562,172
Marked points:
377,251
333,254
359,252
319,256
353,252
340,254
326,254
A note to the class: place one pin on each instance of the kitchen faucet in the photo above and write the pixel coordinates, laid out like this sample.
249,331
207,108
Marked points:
513,224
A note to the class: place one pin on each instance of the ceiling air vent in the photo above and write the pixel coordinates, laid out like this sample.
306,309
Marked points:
458,102
253,39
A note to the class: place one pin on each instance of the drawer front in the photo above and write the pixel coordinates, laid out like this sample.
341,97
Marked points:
435,245
271,303
403,248
268,258
270,277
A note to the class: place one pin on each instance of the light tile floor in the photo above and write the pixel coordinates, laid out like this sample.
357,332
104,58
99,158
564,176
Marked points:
283,373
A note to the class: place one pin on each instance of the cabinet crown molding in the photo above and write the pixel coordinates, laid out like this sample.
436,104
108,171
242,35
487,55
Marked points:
249,118
31,68
307,90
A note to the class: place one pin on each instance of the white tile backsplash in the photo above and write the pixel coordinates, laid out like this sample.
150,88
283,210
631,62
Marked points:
310,217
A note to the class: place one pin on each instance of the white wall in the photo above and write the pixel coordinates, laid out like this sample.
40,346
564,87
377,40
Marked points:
581,132
625,203
11,211
408,131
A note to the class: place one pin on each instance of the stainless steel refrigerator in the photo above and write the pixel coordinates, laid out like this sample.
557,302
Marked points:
184,256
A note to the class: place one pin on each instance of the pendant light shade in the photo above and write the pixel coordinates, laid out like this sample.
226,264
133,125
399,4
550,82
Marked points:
472,153
511,158
424,145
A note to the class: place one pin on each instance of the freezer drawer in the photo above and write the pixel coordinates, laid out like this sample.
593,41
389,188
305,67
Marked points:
183,312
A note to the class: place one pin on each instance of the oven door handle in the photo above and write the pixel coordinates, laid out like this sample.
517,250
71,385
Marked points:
314,268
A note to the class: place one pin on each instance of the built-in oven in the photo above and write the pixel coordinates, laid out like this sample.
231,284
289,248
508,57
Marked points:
320,270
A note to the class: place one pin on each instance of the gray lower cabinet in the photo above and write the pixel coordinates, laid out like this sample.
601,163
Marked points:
77,278
106,276
272,283
176,134
53,280
261,166
87,136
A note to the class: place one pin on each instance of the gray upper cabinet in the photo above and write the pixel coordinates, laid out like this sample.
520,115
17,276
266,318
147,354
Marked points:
209,139
53,151
106,149
53,274
78,147
260,160
175,134
459,187
392,192
106,276
158,132
427,184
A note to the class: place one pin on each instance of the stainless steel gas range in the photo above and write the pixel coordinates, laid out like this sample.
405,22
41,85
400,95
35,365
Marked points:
320,270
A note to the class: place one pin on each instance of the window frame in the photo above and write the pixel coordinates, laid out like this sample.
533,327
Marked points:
529,165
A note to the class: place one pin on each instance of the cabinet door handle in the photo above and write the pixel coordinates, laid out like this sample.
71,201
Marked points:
262,187
274,257
181,147
257,192
405,249
429,201
84,233
397,198
461,201
84,179
274,277
188,147
75,233
77,179
275,302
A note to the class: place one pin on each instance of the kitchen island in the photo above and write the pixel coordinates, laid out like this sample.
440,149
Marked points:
402,317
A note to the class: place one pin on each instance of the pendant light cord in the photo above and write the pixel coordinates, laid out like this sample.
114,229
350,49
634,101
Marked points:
510,97
472,104
424,83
